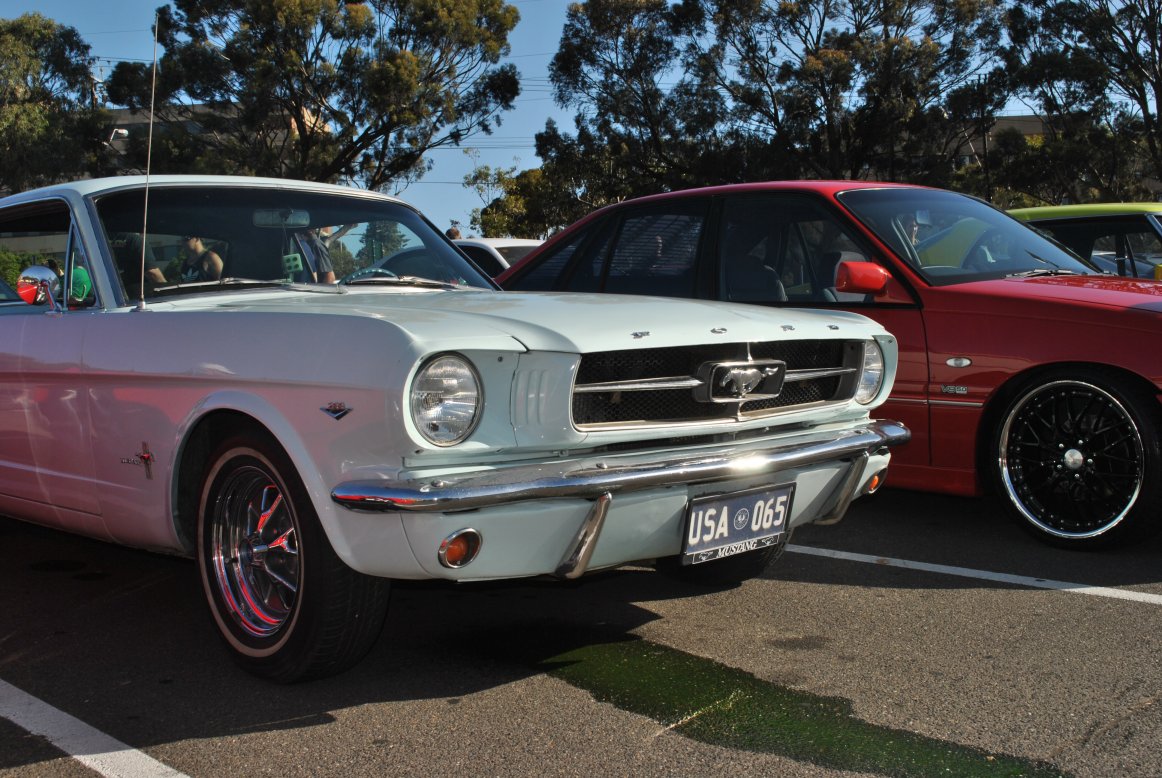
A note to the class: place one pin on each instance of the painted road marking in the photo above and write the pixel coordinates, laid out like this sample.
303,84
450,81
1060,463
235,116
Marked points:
984,575
89,746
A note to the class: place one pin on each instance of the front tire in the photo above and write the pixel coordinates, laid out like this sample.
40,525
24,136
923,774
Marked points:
1077,460
288,608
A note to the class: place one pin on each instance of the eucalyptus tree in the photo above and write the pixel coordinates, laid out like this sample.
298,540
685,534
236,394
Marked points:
1092,69
852,88
50,119
324,89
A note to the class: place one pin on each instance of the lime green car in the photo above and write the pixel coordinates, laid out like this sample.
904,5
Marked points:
1121,238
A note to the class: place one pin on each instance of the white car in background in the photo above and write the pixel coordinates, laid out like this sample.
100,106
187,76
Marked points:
307,443
495,255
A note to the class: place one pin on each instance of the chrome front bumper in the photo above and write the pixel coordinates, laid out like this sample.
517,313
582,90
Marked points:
600,479
590,478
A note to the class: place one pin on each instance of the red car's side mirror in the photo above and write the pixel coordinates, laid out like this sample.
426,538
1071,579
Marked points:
861,278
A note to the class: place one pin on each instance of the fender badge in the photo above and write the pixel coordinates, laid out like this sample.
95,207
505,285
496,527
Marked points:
336,410
640,335
143,458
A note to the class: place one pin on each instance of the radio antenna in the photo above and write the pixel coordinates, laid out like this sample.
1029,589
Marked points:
148,163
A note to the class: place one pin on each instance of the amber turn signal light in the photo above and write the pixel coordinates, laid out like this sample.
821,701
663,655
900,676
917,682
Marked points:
459,548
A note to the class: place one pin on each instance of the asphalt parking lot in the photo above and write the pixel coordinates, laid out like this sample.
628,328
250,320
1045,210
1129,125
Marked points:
922,635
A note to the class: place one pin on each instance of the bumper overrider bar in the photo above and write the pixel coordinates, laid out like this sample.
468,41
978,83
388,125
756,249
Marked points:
597,479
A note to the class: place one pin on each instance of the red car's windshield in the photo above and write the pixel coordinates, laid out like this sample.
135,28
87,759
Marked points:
951,238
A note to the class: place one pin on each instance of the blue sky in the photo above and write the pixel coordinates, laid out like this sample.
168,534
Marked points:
121,29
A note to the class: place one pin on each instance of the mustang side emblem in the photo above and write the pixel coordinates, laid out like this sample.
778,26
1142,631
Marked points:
143,458
336,410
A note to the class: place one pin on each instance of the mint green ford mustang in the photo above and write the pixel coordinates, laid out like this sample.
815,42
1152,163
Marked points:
176,375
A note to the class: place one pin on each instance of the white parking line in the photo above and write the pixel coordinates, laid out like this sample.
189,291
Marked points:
89,746
985,575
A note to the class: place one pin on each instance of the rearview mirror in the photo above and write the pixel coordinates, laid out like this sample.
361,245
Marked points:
282,218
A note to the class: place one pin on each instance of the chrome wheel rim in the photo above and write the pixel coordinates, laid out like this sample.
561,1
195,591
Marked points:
254,551
1071,459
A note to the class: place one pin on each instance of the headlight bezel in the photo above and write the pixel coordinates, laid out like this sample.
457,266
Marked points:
872,373
451,428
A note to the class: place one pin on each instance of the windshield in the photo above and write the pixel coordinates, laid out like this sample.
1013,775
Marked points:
203,239
951,238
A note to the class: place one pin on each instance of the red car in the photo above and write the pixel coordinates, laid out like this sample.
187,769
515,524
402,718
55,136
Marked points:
1022,368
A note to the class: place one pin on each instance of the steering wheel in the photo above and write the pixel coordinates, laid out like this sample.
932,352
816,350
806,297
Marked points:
979,257
367,272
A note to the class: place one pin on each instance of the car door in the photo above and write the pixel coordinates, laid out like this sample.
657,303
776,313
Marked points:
46,467
784,248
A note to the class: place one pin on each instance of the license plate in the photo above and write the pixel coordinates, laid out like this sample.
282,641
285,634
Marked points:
722,525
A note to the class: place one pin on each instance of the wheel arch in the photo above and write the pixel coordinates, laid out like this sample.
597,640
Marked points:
220,416
1000,399
200,440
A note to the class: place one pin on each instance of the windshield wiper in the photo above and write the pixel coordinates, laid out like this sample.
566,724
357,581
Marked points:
1043,271
402,281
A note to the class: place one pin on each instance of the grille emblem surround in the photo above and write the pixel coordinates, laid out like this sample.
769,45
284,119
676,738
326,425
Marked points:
735,382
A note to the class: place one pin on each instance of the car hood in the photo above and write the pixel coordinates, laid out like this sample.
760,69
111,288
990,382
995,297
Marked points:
1094,290
566,322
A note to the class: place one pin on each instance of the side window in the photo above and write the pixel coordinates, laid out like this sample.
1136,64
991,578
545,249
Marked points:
1110,243
42,235
783,248
655,254
1145,244
543,276
78,287
485,261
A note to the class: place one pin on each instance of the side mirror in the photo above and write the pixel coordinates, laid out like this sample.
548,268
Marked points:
861,278
38,285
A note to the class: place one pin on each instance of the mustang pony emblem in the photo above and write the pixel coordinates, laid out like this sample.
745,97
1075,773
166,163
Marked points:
741,381
732,382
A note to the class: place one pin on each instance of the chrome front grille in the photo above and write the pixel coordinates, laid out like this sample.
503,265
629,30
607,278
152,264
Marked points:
651,387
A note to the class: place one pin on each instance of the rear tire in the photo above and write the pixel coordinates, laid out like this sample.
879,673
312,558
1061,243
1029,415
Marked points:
288,608
1076,459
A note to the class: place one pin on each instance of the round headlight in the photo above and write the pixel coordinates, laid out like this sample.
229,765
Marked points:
871,377
446,399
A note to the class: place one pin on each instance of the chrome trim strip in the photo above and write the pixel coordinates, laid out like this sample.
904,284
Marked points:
956,403
591,477
768,413
823,372
644,385
682,382
576,561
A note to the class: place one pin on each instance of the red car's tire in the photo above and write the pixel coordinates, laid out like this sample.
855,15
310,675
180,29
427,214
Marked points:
1076,458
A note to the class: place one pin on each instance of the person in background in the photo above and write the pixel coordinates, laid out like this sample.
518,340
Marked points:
453,232
133,255
201,263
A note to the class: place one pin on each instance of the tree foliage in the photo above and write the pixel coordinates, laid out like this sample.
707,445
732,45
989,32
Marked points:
1092,69
323,89
50,123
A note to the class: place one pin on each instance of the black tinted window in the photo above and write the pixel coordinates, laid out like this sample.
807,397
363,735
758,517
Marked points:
778,247
656,254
